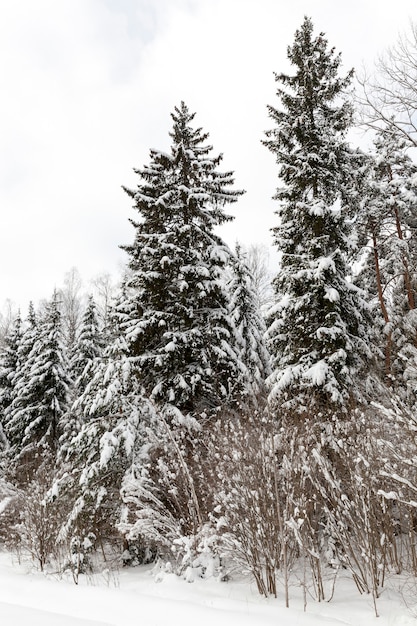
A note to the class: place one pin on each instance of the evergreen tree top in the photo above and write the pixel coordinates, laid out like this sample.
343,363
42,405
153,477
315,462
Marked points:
312,121
182,134
317,67
184,184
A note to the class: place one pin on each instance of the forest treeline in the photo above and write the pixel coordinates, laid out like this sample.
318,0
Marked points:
197,418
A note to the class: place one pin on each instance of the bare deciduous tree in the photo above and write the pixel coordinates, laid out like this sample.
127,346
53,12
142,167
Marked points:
103,290
389,95
71,304
257,259
7,316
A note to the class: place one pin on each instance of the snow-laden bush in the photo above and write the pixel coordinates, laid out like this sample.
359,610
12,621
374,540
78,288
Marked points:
170,497
80,550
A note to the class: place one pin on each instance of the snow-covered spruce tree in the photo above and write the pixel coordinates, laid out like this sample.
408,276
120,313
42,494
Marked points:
390,217
88,347
36,414
114,416
319,327
180,331
8,365
318,330
249,324
14,424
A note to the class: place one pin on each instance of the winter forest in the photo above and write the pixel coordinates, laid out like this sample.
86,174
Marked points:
199,417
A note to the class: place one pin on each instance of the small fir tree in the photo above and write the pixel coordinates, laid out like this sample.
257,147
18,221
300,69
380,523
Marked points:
88,347
9,361
86,352
250,326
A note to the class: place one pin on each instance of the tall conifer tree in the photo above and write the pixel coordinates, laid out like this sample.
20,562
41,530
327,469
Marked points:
318,330
320,326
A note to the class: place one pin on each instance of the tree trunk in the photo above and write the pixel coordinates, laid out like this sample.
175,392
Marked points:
388,345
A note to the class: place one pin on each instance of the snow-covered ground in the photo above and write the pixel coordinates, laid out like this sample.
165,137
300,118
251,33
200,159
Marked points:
134,598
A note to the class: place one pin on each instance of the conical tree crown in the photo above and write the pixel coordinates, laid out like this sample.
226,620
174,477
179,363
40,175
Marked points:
312,121
89,345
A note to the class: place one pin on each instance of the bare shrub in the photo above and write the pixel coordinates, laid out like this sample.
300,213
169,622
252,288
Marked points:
398,489
250,508
338,515
328,480
31,522
277,495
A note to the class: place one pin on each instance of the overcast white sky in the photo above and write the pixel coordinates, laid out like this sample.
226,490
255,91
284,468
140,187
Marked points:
87,87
